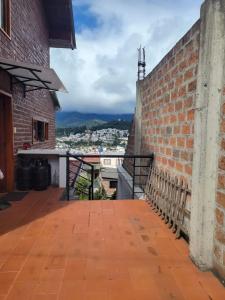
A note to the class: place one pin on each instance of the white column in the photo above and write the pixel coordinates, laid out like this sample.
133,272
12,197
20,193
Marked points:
207,124
62,172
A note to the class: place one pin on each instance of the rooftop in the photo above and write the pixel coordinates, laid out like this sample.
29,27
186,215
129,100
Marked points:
92,160
76,250
109,173
60,21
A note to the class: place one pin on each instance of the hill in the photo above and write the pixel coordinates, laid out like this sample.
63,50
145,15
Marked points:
120,125
76,119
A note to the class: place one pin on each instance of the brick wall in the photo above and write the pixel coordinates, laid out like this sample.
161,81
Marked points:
29,43
168,101
168,121
219,240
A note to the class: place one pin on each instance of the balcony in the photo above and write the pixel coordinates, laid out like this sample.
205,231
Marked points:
51,249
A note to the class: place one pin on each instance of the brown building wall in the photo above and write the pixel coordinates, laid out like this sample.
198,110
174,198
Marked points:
29,43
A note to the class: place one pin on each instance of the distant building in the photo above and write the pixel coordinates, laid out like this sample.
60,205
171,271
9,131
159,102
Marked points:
109,179
111,162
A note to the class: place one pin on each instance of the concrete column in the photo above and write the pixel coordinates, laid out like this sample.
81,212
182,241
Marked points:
206,138
138,135
62,172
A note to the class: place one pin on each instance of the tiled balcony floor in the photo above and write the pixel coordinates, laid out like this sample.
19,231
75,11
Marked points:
94,250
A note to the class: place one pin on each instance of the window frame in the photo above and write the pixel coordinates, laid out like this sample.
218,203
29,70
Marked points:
35,138
6,28
113,184
107,162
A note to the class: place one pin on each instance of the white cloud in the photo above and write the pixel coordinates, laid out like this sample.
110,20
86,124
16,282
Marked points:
101,74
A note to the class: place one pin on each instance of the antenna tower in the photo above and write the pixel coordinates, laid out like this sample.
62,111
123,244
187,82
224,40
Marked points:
141,63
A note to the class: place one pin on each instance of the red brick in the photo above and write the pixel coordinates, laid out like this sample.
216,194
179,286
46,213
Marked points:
221,199
176,153
220,235
223,109
188,75
179,167
191,115
217,252
176,130
221,181
181,117
219,216
192,86
222,163
168,151
190,143
178,106
171,107
185,156
164,161
182,91
222,126
173,118
193,58
182,65
179,81
173,141
180,142
188,169
174,95
223,144
186,129
171,163
188,103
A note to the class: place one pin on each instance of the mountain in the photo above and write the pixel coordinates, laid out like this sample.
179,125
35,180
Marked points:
76,119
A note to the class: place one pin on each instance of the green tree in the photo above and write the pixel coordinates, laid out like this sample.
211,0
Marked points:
82,188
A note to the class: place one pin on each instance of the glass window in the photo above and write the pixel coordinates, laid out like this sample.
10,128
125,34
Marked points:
113,184
107,162
40,131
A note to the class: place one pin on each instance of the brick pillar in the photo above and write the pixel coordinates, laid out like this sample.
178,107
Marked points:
210,82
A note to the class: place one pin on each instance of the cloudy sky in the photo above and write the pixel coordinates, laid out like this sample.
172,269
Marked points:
101,73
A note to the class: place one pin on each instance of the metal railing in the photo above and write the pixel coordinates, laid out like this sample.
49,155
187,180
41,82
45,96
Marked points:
76,166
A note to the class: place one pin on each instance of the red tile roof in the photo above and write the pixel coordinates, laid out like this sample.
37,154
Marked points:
92,160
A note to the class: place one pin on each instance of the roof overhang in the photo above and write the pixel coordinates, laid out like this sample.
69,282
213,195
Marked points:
55,100
60,19
32,77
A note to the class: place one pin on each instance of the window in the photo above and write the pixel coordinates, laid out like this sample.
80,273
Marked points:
107,162
5,16
40,131
113,184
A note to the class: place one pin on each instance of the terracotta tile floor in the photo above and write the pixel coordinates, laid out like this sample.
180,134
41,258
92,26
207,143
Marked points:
100,250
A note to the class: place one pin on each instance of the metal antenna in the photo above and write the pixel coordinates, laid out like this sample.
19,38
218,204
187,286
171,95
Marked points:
141,63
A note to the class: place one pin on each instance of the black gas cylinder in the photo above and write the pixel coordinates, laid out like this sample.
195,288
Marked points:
24,175
49,171
40,175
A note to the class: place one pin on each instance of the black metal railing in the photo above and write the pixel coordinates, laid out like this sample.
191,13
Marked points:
76,167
